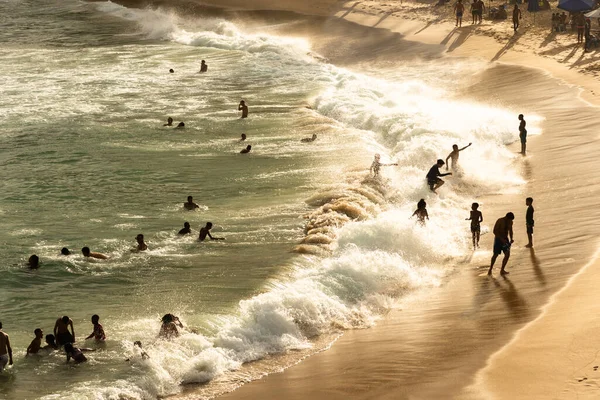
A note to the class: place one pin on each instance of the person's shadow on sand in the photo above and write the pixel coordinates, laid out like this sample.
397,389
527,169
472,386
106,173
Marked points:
516,304
539,274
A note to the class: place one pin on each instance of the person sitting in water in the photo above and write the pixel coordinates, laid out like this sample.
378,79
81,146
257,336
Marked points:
243,108
87,253
61,331
376,165
75,353
36,343
33,262
65,252
186,230
203,66
453,156
190,205
180,125
168,329
98,332
312,139
143,354
169,122
206,232
243,137
50,343
141,245
246,150
421,211
432,176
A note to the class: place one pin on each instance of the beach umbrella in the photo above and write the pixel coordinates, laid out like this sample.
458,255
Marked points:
533,6
576,5
594,14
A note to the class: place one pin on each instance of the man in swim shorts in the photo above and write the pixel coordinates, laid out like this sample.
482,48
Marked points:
459,9
5,350
61,331
432,176
523,134
502,232
243,108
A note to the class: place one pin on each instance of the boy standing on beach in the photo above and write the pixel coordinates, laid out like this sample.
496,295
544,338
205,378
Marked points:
459,8
529,222
516,17
476,219
523,134
502,231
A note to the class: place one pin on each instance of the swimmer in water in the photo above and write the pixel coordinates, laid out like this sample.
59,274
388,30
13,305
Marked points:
476,219
243,108
376,166
432,176
171,70
6,356
33,262
75,353
453,156
98,332
421,212
243,137
143,354
310,139
203,66
168,329
65,252
180,125
141,245
36,343
50,343
169,122
190,205
61,331
186,229
87,253
206,232
246,150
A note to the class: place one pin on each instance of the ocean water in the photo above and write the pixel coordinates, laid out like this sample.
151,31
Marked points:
314,245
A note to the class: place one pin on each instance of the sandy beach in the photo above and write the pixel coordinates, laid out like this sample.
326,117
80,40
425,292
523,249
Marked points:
529,335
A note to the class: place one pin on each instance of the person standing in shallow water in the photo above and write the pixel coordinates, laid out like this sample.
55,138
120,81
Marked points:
61,331
523,134
503,239
141,245
453,156
421,212
204,232
5,350
190,205
203,66
243,108
529,222
476,219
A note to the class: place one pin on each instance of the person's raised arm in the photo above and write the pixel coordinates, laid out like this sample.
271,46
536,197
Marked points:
446,174
465,147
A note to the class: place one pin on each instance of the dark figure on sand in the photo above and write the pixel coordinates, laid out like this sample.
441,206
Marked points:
523,134
476,219
203,66
33,262
87,253
377,164
75,353
516,17
190,205
5,350
529,222
243,108
453,156
98,332
169,122
503,239
421,211
186,230
36,344
61,331
206,232
310,139
246,150
432,176
459,9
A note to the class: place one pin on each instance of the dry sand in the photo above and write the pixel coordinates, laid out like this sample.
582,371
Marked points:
459,341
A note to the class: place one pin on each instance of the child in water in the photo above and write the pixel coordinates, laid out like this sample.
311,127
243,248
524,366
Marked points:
98,332
421,211
476,219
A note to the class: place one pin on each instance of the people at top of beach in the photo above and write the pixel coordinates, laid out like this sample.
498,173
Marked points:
190,205
169,122
523,134
503,239
480,10
6,356
243,137
203,66
50,343
36,344
432,176
98,331
246,150
168,328
65,252
476,219
516,17
310,139
204,232
186,230
453,156
141,245
33,262
61,331
180,125
243,108
477,9
529,222
92,254
579,20
76,353
377,164
459,9
421,211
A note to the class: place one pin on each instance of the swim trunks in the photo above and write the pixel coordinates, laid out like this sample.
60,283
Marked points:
432,183
500,247
3,361
530,229
475,227
64,338
523,136
459,14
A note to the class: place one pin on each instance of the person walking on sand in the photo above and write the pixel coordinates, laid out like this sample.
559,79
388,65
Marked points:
36,343
474,11
421,212
516,17
5,350
376,165
503,230
432,176
580,22
61,331
243,108
480,10
453,156
529,222
476,219
459,9
523,134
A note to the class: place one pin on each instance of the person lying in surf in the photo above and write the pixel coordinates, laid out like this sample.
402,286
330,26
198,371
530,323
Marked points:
246,150
76,353
87,253
310,139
